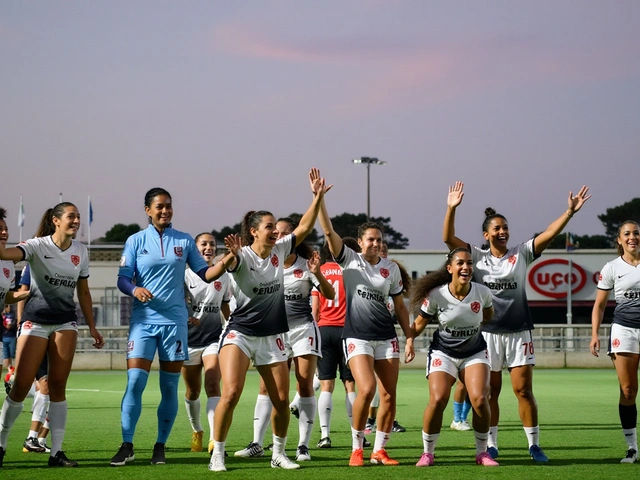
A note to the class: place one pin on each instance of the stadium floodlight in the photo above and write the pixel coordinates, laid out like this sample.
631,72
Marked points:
368,161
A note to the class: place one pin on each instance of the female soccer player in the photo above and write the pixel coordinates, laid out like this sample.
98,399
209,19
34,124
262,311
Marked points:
59,266
152,270
301,274
458,348
622,275
370,340
256,327
508,335
208,305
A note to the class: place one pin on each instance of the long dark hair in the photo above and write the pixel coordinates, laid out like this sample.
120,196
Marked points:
303,250
428,282
626,222
404,275
3,213
46,226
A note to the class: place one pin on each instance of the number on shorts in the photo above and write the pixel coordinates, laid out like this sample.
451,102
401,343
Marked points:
528,347
178,346
280,344
311,341
395,346
336,300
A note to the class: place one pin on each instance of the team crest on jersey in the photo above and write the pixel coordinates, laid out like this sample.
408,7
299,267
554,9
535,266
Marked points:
475,307
512,259
217,286
615,343
425,303
274,261
351,347
297,273
27,325
600,277
384,272
7,272
123,261
436,362
177,251
130,344
231,335
75,259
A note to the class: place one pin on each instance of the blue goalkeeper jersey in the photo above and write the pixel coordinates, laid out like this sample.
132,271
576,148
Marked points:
158,262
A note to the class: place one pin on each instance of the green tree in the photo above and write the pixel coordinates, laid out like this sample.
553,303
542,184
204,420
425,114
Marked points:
581,241
614,216
120,232
346,225
313,238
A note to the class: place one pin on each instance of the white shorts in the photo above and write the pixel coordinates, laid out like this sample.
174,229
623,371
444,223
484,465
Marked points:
624,339
29,328
261,350
508,350
378,349
303,340
438,361
196,354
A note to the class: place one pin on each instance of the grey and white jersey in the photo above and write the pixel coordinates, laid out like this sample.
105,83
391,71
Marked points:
298,283
367,288
459,321
258,287
7,278
506,278
203,302
54,276
624,280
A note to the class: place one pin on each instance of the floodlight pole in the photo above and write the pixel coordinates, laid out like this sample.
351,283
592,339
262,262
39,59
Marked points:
368,161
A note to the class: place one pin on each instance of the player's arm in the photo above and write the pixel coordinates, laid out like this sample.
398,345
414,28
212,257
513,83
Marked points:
333,239
315,307
487,314
308,220
86,305
419,324
597,314
449,229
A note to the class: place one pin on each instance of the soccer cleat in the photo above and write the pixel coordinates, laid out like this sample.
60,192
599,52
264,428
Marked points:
485,459
216,464
295,411
61,460
8,380
282,461
366,443
2,451
464,426
210,447
382,458
302,454
43,444
369,426
537,454
158,457
357,458
124,455
630,457
397,428
268,447
31,445
454,425
426,460
251,451
324,442
196,442
493,452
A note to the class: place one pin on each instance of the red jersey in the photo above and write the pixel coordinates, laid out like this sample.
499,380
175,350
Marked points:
331,313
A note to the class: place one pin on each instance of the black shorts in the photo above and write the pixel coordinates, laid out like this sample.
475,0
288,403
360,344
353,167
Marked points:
332,355
43,370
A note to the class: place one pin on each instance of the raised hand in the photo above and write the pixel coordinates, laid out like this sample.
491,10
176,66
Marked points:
318,186
455,195
233,243
575,203
314,263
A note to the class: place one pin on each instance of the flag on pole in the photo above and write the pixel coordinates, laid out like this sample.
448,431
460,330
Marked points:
21,215
570,242
90,211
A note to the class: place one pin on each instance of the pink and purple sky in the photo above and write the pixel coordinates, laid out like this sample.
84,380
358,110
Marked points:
228,104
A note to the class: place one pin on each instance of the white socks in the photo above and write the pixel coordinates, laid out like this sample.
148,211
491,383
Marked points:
357,439
308,406
493,437
429,441
381,441
533,434
481,441
261,418
10,412
58,421
212,403
325,406
193,412
348,403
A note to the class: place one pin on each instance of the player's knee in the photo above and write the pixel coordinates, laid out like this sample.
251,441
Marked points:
438,400
628,392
